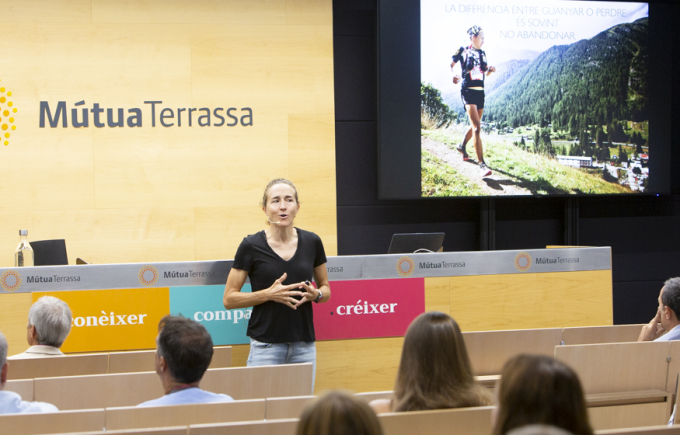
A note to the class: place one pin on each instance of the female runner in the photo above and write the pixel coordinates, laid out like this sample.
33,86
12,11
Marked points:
280,261
473,66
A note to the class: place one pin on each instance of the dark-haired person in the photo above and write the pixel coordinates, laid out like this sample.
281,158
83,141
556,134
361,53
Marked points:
49,323
184,350
536,389
665,325
338,413
474,67
435,370
281,262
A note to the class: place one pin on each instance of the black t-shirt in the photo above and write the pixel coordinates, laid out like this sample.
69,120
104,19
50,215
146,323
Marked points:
274,322
473,65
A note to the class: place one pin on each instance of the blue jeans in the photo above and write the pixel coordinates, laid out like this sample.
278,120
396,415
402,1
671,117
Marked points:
266,354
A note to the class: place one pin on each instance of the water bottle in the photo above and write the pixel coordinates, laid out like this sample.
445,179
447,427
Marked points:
23,256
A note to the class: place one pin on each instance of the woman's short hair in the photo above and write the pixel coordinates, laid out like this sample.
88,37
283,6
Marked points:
540,390
265,196
52,320
339,413
435,370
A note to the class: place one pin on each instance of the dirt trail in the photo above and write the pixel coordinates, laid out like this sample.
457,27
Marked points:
494,185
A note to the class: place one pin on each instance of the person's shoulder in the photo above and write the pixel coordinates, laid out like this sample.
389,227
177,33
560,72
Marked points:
253,239
459,51
40,407
217,397
308,235
10,402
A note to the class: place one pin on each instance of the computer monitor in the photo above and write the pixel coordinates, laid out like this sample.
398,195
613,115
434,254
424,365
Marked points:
410,243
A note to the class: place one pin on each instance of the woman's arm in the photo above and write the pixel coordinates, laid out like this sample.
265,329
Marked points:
235,298
456,79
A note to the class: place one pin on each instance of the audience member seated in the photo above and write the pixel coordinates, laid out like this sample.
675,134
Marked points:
435,370
49,323
664,326
10,402
539,429
540,390
183,353
338,413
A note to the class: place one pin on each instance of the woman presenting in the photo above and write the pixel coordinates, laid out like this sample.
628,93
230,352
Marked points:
280,262
473,66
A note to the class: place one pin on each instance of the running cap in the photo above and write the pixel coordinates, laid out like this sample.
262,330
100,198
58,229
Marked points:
474,31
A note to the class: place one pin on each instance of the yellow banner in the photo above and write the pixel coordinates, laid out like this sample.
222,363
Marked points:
120,319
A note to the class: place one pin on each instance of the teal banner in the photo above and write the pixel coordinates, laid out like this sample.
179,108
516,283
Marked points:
203,303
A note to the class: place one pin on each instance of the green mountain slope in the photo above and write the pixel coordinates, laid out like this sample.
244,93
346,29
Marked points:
573,86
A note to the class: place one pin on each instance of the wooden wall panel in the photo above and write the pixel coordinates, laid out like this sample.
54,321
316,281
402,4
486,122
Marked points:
142,194
110,235
13,321
532,300
201,11
357,365
437,294
46,11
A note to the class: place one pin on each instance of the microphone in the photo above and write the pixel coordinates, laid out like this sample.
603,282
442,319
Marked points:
270,221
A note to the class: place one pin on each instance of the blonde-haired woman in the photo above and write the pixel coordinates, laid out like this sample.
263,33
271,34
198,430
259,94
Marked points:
281,262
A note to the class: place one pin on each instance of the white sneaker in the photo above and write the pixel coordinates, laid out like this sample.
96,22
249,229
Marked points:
484,170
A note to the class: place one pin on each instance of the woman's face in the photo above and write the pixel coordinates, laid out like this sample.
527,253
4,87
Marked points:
478,40
281,206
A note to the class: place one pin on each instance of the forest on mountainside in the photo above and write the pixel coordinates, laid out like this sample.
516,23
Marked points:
598,81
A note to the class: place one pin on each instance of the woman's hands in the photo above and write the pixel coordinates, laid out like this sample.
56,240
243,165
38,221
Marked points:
284,294
456,80
491,70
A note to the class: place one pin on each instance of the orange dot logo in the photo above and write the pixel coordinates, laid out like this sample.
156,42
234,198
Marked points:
523,261
6,109
405,266
148,275
10,280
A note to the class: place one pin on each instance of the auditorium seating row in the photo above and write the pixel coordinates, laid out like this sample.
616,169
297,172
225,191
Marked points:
253,417
99,364
488,351
130,389
244,417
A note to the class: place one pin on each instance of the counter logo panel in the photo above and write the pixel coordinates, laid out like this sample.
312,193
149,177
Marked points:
10,280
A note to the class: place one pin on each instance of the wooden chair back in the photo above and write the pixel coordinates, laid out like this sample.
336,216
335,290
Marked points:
268,427
469,421
374,395
489,350
98,391
181,430
601,334
287,407
651,430
131,389
618,367
143,361
53,422
184,415
260,382
23,387
67,365
673,365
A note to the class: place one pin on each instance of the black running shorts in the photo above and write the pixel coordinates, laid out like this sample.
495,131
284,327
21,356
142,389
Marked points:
473,96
